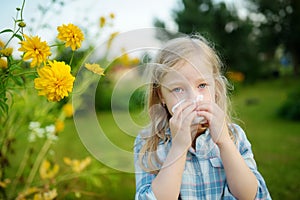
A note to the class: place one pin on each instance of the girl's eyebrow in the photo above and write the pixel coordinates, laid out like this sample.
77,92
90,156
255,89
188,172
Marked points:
178,82
172,84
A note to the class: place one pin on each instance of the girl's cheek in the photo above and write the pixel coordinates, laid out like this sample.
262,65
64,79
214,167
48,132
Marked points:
209,95
176,98
170,103
208,98
205,96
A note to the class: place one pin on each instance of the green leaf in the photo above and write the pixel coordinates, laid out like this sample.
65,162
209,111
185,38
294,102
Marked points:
6,31
3,106
18,80
19,37
14,67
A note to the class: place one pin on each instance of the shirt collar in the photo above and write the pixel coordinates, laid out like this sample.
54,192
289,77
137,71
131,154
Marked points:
205,147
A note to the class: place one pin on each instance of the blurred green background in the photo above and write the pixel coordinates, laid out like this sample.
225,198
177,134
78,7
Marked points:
258,41
275,140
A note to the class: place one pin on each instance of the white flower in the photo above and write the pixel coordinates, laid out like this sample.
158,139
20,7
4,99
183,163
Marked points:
51,132
34,125
52,136
35,131
50,129
39,132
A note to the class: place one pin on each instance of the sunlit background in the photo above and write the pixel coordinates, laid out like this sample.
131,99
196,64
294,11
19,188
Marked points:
41,151
132,14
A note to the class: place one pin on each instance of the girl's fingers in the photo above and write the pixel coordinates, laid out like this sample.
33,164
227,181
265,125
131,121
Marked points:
210,107
207,115
205,106
184,115
178,108
183,110
181,121
177,105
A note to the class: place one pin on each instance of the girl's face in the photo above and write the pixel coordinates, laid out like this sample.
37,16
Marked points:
187,81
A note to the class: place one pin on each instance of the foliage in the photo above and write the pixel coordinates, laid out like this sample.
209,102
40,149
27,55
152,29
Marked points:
290,109
275,141
33,122
232,36
106,86
247,40
279,26
137,101
103,94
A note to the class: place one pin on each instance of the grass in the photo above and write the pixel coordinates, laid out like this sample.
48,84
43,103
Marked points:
274,141
107,183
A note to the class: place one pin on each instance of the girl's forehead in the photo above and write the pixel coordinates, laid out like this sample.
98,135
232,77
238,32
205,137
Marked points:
189,71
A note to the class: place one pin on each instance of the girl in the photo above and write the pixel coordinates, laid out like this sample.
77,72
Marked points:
180,157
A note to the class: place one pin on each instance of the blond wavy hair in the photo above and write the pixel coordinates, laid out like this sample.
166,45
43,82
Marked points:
175,51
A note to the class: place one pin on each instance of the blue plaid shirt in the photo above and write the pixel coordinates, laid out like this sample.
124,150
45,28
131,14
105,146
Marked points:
204,176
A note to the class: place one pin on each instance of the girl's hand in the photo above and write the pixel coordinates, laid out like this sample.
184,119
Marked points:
216,119
180,125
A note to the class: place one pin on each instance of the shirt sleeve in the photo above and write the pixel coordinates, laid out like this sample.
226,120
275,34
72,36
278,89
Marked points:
143,179
246,152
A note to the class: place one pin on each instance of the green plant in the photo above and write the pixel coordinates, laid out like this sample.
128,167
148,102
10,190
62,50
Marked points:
290,109
35,91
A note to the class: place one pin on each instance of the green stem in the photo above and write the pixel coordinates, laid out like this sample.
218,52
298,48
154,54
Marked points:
57,45
22,8
20,170
68,177
23,73
13,35
14,62
71,60
9,130
15,32
37,163
15,23
76,68
3,139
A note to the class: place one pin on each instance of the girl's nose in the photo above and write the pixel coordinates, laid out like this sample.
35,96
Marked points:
194,94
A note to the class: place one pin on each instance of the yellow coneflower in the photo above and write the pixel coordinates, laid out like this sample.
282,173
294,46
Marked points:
70,34
55,81
35,49
95,68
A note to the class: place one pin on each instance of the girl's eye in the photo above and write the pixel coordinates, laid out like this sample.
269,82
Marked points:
202,85
177,90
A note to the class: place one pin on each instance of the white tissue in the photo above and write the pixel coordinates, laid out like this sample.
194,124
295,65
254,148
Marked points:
199,98
177,104
198,119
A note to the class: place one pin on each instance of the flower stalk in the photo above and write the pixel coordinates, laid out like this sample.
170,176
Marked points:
31,87
37,162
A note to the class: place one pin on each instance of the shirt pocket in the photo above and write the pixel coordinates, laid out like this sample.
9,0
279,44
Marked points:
216,162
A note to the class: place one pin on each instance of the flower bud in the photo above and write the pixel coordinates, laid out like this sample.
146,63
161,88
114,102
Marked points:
6,52
22,24
3,64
